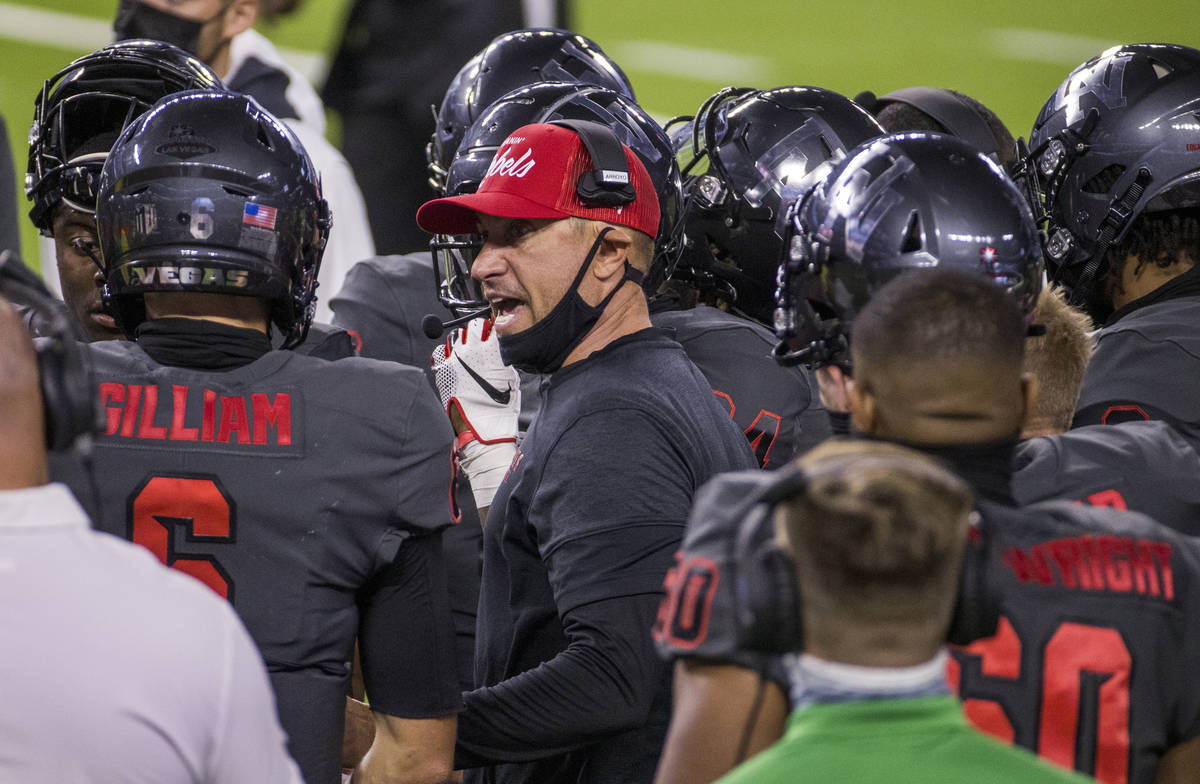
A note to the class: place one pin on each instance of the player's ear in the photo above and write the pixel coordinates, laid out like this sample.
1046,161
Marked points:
240,17
613,253
864,410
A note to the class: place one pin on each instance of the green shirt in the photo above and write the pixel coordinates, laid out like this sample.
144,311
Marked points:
923,740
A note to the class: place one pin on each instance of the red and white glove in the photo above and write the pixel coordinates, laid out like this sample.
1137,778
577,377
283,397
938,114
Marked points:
486,393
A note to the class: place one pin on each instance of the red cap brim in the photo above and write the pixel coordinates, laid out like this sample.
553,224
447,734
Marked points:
456,214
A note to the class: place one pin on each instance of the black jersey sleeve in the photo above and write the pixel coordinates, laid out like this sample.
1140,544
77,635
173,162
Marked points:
423,471
405,617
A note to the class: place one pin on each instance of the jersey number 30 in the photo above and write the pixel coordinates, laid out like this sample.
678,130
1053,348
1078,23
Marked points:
197,506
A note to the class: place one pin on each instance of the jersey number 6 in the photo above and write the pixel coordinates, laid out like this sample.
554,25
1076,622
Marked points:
201,508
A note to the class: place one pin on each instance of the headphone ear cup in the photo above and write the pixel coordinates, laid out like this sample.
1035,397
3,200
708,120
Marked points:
768,597
975,617
69,408
591,193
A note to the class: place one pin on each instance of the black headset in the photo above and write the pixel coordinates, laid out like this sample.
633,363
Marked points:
609,183
64,373
956,114
768,601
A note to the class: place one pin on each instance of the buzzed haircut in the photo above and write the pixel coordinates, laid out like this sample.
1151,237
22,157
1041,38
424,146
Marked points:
938,315
880,526
1058,358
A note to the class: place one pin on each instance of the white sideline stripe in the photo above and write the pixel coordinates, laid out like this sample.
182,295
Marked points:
68,31
1044,46
709,65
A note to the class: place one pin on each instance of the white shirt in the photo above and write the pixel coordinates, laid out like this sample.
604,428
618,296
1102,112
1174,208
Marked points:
115,669
350,239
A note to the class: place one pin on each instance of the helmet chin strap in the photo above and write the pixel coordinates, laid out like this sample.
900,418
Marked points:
1117,218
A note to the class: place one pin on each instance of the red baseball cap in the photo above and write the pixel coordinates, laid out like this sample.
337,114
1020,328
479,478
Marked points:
533,176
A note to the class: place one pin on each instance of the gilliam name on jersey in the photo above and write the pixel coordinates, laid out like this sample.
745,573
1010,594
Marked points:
257,419
173,275
1120,564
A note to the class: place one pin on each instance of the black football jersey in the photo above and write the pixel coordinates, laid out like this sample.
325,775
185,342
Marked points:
308,493
1138,367
777,408
1145,466
1091,664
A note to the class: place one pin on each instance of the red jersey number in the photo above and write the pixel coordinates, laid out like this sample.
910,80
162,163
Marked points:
1074,655
197,505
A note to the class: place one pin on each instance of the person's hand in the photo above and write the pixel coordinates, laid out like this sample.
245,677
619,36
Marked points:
481,394
482,397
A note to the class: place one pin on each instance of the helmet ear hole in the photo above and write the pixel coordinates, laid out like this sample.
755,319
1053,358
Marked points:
264,138
1104,179
912,241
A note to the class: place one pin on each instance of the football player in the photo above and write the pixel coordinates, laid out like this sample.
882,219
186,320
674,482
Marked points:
308,493
729,701
937,364
1145,466
222,34
77,116
1113,165
748,155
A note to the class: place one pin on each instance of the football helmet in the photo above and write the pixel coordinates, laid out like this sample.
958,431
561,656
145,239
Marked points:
944,111
543,103
900,202
82,109
1118,138
208,192
751,153
514,60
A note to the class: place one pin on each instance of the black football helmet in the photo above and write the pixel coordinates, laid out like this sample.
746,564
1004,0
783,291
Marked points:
945,111
900,202
543,103
750,155
208,192
514,60
1118,138
84,107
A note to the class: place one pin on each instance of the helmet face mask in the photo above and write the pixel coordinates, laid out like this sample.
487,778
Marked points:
82,109
509,62
209,193
543,103
1110,144
752,154
902,202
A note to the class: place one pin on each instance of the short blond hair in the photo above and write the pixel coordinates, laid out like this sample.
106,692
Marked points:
1058,359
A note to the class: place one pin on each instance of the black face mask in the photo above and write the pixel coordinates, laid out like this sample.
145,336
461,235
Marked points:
138,20
543,347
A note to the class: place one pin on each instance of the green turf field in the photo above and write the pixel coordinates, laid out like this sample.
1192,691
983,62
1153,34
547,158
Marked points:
677,52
